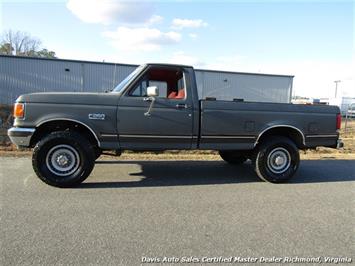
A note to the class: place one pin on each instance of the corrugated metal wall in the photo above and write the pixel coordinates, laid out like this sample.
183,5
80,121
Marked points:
19,76
250,87
25,75
103,77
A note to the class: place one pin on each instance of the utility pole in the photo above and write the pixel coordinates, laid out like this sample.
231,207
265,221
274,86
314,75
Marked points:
336,87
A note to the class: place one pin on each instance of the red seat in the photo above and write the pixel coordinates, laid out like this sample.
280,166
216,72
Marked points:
181,94
172,95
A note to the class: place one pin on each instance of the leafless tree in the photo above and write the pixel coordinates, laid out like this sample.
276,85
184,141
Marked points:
22,44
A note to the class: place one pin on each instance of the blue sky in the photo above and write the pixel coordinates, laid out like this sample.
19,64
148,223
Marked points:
312,40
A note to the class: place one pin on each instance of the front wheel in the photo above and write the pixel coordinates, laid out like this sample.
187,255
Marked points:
63,159
277,159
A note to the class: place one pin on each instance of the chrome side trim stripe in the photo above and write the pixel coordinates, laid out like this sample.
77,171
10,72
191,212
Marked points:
228,137
322,136
108,135
187,137
156,136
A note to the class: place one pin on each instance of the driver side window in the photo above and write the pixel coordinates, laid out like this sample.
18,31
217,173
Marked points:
169,81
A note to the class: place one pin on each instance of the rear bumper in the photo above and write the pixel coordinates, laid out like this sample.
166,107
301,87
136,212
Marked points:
330,141
21,136
340,144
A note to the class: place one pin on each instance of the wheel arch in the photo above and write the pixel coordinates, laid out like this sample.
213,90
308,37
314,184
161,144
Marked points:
61,124
292,132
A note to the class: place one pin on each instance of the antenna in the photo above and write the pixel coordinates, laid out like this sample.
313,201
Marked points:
336,87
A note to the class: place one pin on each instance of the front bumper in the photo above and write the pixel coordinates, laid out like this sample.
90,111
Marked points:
21,136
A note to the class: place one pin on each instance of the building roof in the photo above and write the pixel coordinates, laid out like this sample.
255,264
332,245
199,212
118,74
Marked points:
133,65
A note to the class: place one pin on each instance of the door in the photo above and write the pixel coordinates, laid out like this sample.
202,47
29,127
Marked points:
169,123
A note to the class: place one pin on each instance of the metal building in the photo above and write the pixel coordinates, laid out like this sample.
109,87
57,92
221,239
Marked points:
20,75
253,87
344,103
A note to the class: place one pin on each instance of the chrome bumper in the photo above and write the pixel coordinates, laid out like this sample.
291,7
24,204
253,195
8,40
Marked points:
20,136
340,144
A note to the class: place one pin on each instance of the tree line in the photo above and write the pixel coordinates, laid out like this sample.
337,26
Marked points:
20,43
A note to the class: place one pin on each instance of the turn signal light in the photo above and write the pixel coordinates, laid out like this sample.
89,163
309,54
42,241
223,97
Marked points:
338,121
19,110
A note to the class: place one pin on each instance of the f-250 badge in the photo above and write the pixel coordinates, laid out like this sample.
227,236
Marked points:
97,116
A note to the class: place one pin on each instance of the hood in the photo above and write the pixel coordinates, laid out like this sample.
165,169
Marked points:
70,98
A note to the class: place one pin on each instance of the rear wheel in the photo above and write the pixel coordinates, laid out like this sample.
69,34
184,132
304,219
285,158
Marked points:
233,157
277,159
63,159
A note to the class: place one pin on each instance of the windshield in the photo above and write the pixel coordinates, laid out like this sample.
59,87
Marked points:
119,88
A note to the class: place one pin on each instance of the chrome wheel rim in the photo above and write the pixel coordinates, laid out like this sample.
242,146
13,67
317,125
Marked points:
279,160
62,160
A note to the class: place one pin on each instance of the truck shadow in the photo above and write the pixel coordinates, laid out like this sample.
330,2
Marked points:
188,173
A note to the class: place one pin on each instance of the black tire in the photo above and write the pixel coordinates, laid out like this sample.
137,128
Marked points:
277,159
233,157
63,159
97,152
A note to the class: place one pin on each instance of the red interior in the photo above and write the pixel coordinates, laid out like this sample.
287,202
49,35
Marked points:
171,77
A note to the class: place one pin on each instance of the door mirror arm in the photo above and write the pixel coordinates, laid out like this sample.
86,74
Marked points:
150,99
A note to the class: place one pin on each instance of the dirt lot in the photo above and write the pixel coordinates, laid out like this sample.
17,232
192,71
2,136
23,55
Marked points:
348,152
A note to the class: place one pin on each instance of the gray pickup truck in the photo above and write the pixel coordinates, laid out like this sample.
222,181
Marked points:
157,108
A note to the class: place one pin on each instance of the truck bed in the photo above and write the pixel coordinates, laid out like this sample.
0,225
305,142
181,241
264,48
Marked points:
238,125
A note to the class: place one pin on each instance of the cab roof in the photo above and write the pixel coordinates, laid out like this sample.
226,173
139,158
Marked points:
168,65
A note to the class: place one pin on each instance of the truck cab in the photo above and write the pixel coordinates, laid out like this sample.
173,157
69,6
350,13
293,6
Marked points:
161,98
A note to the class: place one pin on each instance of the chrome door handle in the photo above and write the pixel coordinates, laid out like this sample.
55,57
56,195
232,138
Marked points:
147,99
181,106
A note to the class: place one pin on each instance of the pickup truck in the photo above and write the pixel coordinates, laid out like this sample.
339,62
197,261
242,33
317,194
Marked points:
157,108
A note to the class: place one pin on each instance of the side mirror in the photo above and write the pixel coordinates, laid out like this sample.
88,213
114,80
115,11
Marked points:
152,91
